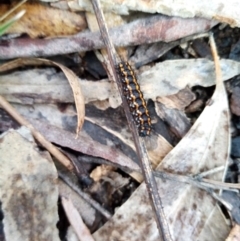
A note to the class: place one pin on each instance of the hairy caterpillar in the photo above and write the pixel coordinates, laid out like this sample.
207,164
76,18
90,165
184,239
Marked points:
135,100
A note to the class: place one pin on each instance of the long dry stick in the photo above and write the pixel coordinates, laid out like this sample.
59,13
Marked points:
49,146
139,142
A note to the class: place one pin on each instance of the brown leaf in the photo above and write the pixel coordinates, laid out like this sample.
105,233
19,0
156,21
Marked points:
43,21
85,145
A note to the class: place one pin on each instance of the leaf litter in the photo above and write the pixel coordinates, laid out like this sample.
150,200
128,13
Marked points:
199,197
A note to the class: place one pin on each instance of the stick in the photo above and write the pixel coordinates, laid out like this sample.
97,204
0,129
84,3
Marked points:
139,142
49,146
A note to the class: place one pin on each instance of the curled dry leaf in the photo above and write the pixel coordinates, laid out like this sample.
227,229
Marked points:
192,214
76,220
43,21
72,78
101,171
28,191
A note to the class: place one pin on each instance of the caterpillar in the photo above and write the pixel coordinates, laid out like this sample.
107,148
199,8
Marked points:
135,100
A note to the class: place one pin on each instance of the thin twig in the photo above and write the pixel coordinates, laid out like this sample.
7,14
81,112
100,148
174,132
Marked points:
202,183
49,146
139,142
209,172
12,10
85,196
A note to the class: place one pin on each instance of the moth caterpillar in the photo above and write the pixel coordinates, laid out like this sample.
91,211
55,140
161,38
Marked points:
135,99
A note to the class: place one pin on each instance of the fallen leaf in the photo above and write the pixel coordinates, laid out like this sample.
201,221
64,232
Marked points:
28,190
169,77
84,144
177,121
141,31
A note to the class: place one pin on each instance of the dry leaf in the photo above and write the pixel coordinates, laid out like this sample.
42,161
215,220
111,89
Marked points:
71,235
146,30
108,174
176,120
85,144
171,76
43,21
168,77
28,191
